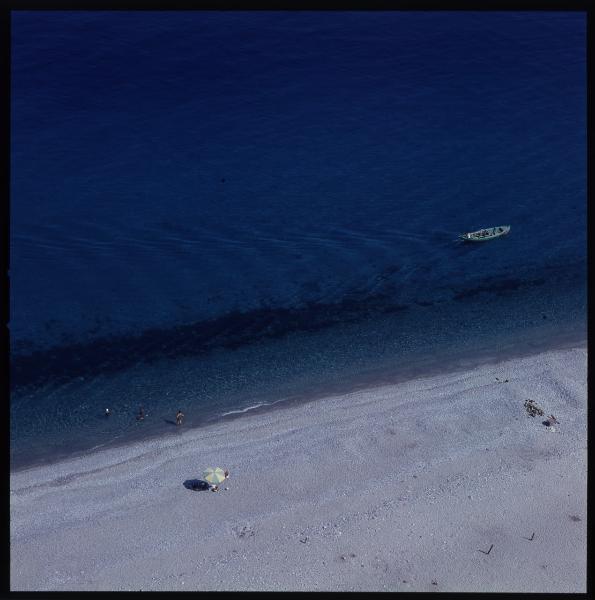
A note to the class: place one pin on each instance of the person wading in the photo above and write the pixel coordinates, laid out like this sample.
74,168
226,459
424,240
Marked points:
179,417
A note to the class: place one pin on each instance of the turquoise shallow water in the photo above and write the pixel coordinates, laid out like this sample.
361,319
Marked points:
223,209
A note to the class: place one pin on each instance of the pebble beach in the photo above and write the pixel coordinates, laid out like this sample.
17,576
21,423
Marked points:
441,483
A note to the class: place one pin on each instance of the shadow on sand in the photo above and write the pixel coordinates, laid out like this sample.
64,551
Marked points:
196,485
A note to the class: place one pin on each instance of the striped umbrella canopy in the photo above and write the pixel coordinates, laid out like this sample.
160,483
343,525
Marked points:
214,475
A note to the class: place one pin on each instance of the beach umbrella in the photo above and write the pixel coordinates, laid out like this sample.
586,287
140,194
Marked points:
214,476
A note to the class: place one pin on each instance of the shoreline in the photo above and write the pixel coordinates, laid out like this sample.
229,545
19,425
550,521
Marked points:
395,487
59,421
468,358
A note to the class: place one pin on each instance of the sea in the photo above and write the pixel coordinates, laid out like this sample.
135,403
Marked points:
221,212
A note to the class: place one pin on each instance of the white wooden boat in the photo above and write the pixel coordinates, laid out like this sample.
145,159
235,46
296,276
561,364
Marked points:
483,235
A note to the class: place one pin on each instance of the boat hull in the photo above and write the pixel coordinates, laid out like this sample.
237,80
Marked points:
484,235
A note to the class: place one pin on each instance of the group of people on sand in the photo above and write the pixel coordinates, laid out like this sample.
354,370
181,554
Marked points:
198,484
141,415
214,487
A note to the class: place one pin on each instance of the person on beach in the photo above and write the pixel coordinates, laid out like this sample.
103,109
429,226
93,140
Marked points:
214,488
179,417
141,414
226,473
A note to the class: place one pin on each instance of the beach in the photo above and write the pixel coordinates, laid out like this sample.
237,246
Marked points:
257,219
438,483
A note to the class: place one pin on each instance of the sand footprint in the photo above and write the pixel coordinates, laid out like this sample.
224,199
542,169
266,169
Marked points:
243,531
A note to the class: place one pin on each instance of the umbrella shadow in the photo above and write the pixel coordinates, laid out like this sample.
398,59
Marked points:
196,485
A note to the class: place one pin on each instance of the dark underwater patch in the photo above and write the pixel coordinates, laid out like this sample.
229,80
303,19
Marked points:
494,287
231,331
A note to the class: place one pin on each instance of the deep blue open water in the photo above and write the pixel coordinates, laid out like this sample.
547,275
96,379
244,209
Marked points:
216,210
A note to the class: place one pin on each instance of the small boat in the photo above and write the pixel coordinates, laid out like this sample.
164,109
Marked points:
483,235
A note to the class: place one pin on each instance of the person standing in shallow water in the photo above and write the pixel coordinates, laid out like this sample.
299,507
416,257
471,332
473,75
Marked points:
179,417
141,414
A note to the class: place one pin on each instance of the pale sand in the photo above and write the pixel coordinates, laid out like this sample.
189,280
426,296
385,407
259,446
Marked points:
390,488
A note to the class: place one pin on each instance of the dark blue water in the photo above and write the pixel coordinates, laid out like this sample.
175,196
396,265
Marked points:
213,209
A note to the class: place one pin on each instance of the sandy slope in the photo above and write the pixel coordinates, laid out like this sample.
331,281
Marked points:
391,488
